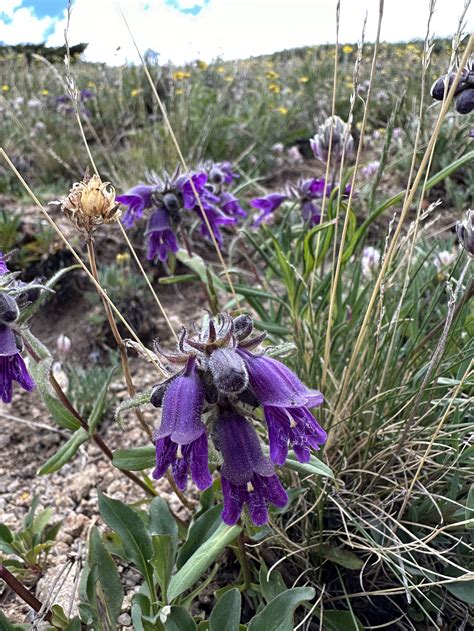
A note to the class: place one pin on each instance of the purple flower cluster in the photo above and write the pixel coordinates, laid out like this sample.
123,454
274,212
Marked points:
212,400
308,192
12,365
64,102
464,94
181,198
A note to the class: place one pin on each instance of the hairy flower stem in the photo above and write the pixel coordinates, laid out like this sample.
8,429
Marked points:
99,441
19,589
126,369
118,339
244,562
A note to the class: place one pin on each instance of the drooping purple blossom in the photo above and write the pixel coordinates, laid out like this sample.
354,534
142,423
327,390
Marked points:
230,205
181,440
136,200
295,427
247,476
161,240
267,205
275,384
309,192
12,366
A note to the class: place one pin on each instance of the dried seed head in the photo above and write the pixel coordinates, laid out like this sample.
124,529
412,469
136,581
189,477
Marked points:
91,203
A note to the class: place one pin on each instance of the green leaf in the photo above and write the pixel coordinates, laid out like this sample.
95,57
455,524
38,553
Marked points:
313,467
41,521
64,453
271,585
142,398
6,625
99,405
74,625
463,589
178,619
6,535
59,618
198,563
108,588
135,459
341,556
278,614
164,553
61,415
470,506
161,520
335,620
226,614
131,530
177,278
199,532
200,267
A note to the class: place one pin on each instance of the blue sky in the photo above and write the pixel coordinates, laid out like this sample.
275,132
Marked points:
183,30
53,8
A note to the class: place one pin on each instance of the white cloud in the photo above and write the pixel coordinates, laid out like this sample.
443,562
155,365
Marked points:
229,28
21,24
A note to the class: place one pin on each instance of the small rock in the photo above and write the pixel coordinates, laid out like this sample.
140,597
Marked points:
124,619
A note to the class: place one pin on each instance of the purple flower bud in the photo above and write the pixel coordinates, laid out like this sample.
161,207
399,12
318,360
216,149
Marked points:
9,311
63,344
441,86
228,371
247,476
275,384
465,232
243,326
137,199
464,102
171,202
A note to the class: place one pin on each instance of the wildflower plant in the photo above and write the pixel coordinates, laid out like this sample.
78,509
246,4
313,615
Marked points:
271,509
224,382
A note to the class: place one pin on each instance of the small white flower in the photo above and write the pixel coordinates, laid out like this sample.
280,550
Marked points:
370,261
443,259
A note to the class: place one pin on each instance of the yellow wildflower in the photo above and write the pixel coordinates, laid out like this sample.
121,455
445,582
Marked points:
273,87
271,74
282,110
91,84
220,69
202,65
303,79
135,91
179,91
179,75
347,49
44,92
122,258
5,87
229,78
